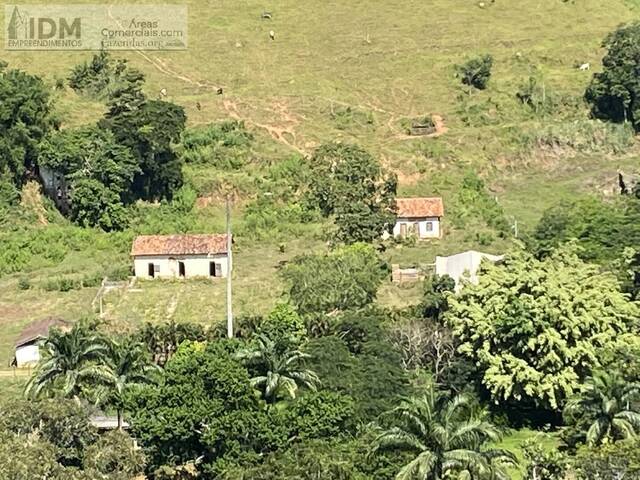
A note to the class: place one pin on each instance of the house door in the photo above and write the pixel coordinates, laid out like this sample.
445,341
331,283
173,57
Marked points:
181,271
403,229
215,269
152,270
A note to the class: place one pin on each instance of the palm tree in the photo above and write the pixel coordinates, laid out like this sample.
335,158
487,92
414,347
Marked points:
609,404
70,362
448,437
129,365
281,374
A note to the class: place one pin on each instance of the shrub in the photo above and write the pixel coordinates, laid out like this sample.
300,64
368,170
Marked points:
225,145
346,278
476,71
24,283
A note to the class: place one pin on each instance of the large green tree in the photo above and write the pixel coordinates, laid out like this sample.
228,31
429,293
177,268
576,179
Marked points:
25,119
349,183
203,408
614,93
448,437
536,328
149,128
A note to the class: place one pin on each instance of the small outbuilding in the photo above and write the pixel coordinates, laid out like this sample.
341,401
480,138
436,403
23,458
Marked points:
464,266
28,344
421,217
180,256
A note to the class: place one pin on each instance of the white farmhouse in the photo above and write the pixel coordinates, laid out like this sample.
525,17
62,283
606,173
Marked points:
420,217
28,343
180,256
463,266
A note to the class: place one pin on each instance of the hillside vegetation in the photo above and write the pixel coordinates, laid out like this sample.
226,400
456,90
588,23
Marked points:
281,128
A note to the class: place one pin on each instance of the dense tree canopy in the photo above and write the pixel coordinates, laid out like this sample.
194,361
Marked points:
614,93
536,328
349,183
25,119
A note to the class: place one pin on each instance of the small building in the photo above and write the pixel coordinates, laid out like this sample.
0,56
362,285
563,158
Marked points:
180,256
464,265
420,217
28,344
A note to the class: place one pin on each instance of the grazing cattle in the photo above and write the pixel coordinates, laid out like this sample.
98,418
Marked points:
584,67
198,106
219,91
163,92
267,16
272,35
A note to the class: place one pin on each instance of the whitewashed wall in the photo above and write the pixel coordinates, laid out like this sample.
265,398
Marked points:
195,265
422,226
27,355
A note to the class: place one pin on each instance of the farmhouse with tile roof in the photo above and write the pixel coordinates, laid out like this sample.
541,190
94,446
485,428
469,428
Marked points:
419,216
180,256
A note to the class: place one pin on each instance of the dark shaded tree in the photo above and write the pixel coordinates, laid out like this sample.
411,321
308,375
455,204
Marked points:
614,93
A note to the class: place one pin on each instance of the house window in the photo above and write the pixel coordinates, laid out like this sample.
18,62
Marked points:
429,226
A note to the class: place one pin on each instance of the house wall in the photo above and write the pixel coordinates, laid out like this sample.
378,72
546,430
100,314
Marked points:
27,355
422,232
195,265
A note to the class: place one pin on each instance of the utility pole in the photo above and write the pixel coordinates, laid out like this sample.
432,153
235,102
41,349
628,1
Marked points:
229,270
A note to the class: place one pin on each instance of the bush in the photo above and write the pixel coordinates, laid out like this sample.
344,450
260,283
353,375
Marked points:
115,453
476,71
24,283
343,279
225,145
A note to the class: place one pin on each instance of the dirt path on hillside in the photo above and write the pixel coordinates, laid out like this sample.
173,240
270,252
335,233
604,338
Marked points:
283,132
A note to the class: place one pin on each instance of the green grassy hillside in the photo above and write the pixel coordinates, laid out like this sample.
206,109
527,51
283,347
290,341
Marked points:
350,71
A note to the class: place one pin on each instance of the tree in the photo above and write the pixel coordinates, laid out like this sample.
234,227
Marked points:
536,328
346,278
94,205
149,128
346,181
204,408
608,405
602,229
280,374
284,326
130,365
71,363
62,423
447,436
476,71
25,119
614,93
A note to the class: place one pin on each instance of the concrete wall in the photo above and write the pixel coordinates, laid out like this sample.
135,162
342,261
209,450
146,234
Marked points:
463,266
167,266
419,227
27,355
